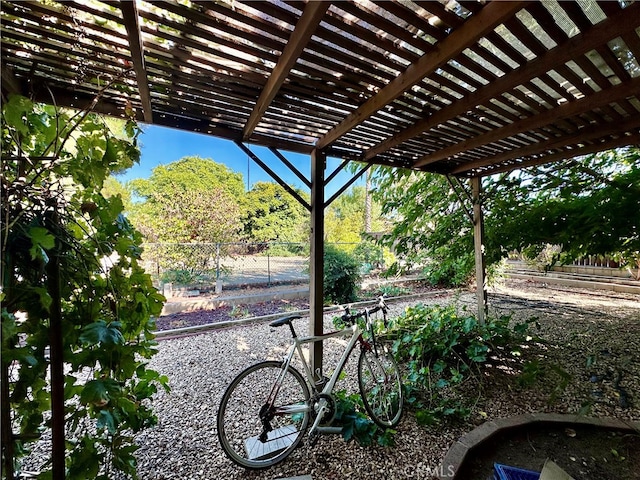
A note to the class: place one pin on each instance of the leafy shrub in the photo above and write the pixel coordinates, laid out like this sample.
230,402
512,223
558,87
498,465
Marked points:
451,271
341,275
373,256
287,250
180,277
393,290
370,255
443,351
356,425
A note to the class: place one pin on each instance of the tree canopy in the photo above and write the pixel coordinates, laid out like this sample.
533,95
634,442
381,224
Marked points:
190,200
271,214
190,173
345,217
588,206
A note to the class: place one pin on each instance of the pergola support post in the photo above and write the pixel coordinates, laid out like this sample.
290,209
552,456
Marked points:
316,261
478,244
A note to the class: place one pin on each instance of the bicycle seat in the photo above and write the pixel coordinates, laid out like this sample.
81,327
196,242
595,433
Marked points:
284,320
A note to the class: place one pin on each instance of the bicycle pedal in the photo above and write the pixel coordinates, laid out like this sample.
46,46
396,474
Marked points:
313,439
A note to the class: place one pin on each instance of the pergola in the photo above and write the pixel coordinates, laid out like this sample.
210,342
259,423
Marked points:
461,88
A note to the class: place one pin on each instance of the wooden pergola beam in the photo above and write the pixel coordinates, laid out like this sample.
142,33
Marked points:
581,136
291,166
575,47
309,21
474,29
611,95
479,249
9,81
350,182
274,175
130,19
316,260
619,142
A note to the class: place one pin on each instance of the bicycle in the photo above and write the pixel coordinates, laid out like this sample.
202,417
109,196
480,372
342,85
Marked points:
267,408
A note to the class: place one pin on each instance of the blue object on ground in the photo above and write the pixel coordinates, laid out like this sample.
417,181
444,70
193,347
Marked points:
505,472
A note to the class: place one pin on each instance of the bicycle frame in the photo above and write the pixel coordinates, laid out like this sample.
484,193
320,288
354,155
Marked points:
356,336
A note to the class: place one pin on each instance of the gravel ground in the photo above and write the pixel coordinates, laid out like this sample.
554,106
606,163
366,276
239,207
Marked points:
593,336
577,324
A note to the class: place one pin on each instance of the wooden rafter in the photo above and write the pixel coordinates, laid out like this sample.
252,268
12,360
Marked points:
633,139
130,19
560,55
203,65
309,21
585,135
611,95
485,21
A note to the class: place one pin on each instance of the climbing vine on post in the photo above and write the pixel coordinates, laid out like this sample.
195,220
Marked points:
77,307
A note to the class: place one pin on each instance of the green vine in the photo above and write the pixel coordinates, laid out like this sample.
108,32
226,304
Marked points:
444,352
356,425
70,271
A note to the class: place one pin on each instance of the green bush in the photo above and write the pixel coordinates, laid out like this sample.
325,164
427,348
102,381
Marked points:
180,277
369,255
356,425
443,352
287,250
451,272
341,276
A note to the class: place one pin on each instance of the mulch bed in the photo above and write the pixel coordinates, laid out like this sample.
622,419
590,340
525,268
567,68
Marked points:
228,312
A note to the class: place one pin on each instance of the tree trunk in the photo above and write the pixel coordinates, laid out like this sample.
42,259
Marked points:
367,203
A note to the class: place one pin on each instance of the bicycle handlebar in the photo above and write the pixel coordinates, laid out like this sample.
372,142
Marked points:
349,317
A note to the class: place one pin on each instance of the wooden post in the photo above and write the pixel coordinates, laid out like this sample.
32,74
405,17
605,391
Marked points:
58,448
316,261
8,450
478,244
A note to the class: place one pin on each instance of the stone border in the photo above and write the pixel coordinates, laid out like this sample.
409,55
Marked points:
459,451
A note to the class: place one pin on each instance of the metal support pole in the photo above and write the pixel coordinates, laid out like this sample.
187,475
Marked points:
478,244
316,261
268,268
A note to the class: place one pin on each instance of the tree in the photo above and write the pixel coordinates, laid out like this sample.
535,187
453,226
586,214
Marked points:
345,217
430,227
190,200
113,187
191,174
271,214
76,305
587,205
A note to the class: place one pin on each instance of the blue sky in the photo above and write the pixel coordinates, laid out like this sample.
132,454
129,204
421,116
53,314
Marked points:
161,146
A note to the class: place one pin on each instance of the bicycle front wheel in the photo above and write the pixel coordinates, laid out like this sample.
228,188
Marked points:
261,419
380,385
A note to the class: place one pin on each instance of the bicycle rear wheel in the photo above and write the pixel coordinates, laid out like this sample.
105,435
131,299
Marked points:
380,385
255,442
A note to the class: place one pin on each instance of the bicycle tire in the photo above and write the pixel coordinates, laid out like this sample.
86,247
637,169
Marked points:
380,385
238,420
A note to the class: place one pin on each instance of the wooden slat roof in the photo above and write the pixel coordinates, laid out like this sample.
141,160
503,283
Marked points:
456,87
